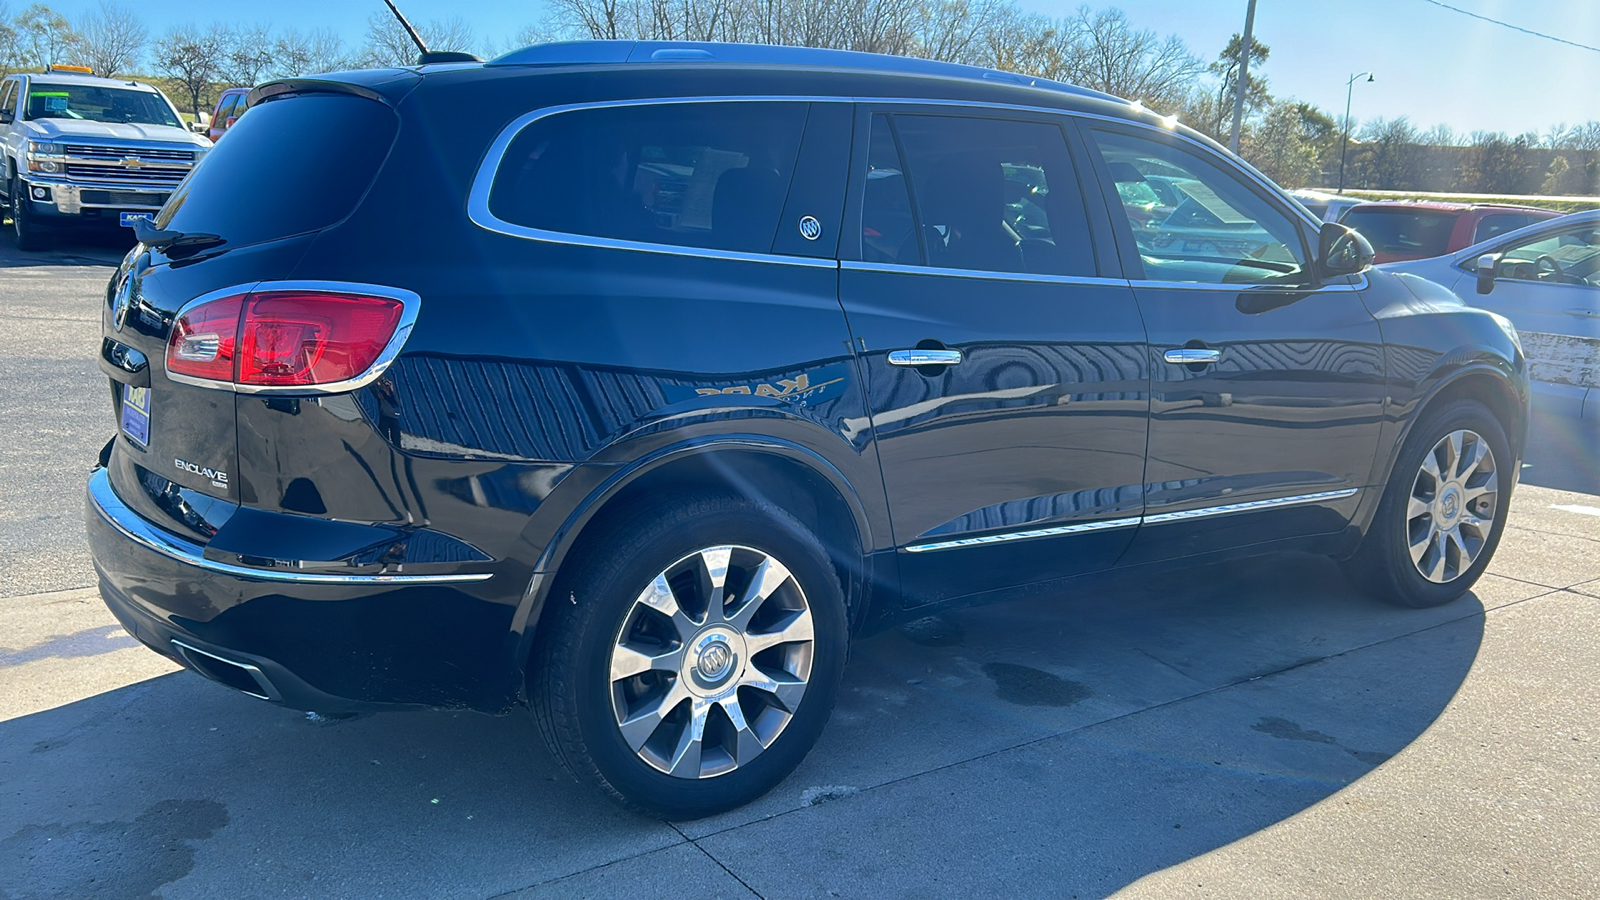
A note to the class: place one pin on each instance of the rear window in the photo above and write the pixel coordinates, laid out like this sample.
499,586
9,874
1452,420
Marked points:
1410,232
295,164
710,175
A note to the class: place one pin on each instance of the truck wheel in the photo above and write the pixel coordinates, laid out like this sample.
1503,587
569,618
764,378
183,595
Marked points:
692,657
27,231
1442,511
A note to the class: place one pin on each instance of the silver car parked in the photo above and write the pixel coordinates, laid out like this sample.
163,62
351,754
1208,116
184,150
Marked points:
1545,278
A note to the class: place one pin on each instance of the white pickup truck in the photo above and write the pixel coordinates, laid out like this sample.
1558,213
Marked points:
82,150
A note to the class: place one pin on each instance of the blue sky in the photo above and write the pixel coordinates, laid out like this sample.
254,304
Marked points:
1432,65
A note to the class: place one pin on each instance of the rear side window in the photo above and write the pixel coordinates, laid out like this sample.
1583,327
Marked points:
296,164
710,175
1403,231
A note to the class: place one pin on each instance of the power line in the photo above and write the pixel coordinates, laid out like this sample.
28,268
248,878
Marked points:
1538,34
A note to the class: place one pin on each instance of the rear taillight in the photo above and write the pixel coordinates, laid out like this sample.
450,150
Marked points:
287,338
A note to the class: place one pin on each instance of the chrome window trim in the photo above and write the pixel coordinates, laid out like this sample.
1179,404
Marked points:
1248,288
483,182
410,302
132,526
985,274
1247,506
1128,522
1101,525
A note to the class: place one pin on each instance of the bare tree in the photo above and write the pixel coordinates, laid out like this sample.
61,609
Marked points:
389,45
113,39
299,53
45,37
193,58
10,49
247,55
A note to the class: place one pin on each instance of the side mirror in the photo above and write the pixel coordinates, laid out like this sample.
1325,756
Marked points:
228,122
1488,266
1342,251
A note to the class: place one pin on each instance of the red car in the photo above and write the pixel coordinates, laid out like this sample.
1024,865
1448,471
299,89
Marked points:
230,106
1409,229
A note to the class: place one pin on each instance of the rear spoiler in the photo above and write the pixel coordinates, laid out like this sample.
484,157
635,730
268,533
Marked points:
388,90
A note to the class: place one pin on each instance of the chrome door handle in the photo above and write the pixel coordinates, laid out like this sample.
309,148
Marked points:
924,357
1188,356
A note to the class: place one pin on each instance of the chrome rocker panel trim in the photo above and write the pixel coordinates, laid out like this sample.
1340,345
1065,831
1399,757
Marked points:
1159,518
131,525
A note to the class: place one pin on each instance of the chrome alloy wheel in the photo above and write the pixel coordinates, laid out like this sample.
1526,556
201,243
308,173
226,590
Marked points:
711,662
1453,504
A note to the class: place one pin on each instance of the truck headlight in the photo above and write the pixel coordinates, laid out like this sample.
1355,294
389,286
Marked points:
46,157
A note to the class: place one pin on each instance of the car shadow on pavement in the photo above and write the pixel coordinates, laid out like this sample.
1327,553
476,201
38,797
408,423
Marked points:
1064,744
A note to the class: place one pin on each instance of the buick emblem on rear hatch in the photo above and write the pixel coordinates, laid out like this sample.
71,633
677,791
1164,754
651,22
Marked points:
810,228
121,301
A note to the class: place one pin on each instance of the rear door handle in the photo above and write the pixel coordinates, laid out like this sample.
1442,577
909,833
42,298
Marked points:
1188,356
924,357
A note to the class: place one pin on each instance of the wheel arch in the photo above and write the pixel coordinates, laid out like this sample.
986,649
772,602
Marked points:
791,477
1490,381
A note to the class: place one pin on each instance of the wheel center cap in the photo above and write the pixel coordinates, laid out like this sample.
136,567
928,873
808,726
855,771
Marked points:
1450,504
714,657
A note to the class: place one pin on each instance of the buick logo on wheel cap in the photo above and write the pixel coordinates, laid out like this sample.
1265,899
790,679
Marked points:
714,661
810,228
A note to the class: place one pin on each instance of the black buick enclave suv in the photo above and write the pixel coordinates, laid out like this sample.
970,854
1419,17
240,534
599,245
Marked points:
628,381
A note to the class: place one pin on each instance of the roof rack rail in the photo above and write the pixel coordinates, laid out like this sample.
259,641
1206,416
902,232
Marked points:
567,53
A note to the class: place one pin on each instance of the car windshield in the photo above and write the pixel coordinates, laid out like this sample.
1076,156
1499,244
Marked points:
93,103
1410,232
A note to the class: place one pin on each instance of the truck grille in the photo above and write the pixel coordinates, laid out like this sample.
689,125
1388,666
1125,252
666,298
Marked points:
116,154
144,175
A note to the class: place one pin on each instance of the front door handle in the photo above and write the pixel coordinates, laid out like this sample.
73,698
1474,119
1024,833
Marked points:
1189,356
922,357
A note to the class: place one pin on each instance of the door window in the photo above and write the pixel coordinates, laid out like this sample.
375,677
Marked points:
710,175
992,195
1494,226
1193,220
1571,256
5,100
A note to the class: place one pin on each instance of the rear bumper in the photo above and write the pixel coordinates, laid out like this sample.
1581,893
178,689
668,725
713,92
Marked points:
313,641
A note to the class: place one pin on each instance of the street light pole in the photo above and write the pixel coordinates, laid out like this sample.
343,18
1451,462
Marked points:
1349,88
1244,78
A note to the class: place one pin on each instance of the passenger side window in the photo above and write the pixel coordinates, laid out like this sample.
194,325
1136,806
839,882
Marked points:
992,195
1195,221
711,175
1493,226
888,230
1567,257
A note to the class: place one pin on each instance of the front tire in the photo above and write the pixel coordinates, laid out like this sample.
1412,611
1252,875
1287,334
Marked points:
1443,509
24,228
693,656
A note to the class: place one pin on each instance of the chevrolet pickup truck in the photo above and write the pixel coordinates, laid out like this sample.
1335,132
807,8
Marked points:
85,151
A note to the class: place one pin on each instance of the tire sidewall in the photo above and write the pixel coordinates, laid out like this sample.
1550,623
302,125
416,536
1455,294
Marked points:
610,592
1412,588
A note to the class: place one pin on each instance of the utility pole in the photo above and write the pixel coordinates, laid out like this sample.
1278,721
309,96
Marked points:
1244,77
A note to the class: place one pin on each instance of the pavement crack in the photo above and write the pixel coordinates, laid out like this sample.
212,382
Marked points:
731,873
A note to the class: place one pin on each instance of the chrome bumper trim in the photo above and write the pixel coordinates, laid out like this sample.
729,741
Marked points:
133,526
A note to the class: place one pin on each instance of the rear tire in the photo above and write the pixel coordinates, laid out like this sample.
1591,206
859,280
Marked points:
692,656
1442,512
24,228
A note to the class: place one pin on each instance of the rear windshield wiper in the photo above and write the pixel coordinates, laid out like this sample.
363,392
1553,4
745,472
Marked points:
175,244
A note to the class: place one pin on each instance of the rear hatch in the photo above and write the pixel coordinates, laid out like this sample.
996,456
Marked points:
295,165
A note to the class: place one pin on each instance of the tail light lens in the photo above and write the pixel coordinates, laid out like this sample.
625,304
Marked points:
283,338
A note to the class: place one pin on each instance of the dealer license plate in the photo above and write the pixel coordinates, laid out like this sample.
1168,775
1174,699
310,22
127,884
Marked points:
136,414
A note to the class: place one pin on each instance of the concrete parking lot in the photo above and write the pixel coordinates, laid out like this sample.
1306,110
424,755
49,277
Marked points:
1252,729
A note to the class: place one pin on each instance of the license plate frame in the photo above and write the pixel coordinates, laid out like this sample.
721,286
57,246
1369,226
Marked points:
135,415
